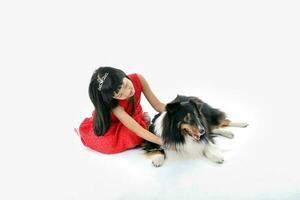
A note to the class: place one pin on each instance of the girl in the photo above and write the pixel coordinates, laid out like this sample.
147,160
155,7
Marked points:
118,122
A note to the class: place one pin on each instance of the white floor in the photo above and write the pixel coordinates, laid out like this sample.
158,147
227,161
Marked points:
261,163
241,57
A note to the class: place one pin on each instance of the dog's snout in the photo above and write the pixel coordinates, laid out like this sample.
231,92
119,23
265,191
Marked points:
202,132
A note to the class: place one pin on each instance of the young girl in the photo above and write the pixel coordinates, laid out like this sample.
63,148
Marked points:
118,122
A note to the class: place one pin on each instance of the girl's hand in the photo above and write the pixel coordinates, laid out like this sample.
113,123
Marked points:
132,125
160,142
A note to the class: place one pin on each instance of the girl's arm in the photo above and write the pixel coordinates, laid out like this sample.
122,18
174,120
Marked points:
131,124
155,103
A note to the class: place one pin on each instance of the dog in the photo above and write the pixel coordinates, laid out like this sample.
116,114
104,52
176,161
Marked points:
188,125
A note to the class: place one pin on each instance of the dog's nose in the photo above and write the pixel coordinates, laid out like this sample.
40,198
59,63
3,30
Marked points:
202,132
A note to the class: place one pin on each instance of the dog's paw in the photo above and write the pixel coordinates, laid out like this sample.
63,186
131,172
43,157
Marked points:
244,125
220,160
214,156
158,160
222,132
217,159
230,136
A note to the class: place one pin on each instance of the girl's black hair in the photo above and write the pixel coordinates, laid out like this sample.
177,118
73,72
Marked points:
103,99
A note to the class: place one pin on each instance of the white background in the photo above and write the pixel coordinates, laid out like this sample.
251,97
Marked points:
240,56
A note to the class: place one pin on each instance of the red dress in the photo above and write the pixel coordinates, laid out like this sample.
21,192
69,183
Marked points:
118,138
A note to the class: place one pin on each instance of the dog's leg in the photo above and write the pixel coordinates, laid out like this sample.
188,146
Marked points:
238,124
224,133
213,154
228,123
157,157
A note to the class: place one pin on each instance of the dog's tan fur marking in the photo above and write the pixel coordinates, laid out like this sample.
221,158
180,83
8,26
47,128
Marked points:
153,153
190,128
224,123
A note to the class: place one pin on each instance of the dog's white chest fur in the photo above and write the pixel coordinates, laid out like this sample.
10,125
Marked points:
158,124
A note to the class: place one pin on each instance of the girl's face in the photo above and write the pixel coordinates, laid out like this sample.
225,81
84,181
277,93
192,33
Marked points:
126,91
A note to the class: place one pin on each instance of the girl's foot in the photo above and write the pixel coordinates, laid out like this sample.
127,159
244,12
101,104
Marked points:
76,131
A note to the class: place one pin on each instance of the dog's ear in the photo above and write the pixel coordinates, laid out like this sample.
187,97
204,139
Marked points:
172,107
178,97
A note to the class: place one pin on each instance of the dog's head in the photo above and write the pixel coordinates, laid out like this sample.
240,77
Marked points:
184,119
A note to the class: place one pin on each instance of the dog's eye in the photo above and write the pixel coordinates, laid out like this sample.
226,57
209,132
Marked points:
185,130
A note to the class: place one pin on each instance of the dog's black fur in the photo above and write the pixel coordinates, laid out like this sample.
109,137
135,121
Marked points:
185,110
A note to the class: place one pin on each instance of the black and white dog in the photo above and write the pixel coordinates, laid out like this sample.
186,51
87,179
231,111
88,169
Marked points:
188,125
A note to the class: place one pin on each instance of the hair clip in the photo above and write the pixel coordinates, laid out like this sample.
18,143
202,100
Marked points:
101,80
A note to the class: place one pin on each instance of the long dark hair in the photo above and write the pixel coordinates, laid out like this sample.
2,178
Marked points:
103,98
